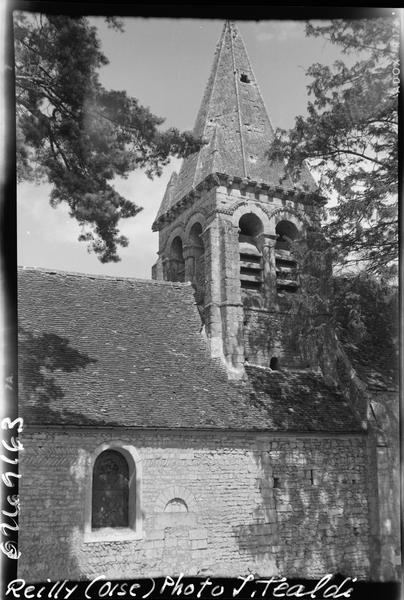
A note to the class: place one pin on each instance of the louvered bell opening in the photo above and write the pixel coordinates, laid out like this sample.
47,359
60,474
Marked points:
250,265
285,263
286,271
250,257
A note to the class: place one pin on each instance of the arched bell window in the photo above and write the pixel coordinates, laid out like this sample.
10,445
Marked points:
110,493
197,256
286,264
177,263
250,226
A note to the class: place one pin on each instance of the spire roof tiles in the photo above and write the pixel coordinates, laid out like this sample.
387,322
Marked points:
234,122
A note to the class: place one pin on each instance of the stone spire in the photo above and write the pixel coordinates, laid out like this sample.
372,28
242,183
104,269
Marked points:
234,121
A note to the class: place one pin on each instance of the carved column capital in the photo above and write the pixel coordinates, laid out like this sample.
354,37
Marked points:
266,240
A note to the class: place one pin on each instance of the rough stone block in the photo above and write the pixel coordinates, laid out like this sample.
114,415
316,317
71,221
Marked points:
198,534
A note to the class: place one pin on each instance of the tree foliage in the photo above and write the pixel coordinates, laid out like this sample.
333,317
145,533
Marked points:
351,136
77,135
355,312
365,310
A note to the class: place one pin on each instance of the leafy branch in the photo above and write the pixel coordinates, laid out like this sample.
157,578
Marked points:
78,136
350,136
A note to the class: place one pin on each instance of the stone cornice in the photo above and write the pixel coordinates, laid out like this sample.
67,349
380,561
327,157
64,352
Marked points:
246,186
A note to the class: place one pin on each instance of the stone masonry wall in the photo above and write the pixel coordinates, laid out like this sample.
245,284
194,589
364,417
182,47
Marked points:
218,210
385,533
274,504
270,334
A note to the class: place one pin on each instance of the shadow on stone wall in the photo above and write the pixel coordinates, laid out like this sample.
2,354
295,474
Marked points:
308,522
56,475
292,526
48,517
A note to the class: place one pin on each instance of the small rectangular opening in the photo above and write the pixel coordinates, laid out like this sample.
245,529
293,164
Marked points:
251,285
281,275
250,258
284,262
254,272
291,288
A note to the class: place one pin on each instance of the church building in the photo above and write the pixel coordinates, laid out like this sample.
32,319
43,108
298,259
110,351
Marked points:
205,421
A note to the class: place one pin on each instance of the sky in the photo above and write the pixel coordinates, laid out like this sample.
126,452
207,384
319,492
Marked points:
165,63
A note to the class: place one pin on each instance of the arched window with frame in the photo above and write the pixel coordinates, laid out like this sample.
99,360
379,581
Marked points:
113,498
110,491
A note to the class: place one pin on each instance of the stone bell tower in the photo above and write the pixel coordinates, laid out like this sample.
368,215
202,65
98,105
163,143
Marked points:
237,226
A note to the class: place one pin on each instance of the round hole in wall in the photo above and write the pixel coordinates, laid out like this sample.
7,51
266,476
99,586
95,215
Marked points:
274,364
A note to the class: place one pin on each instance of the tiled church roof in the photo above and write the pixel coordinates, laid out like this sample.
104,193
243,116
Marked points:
234,121
124,352
296,396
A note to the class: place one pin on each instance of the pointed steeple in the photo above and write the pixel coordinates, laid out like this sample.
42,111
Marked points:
234,121
233,104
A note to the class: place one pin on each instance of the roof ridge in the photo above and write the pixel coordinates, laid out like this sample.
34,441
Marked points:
235,78
212,87
50,271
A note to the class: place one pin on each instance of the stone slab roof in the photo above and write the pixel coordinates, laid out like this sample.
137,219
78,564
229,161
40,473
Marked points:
375,380
299,396
234,121
107,351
